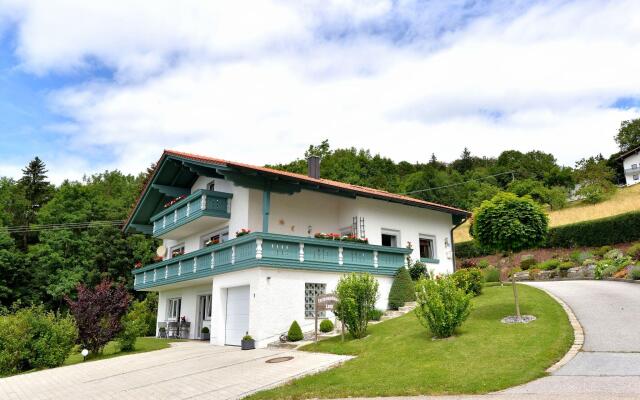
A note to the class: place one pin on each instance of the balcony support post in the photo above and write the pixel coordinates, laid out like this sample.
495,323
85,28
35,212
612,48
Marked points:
266,205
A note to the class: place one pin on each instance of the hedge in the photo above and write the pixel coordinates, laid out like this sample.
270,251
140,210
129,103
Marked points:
621,228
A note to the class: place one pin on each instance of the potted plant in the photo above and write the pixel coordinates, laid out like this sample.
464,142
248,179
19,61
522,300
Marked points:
204,333
243,232
247,342
162,332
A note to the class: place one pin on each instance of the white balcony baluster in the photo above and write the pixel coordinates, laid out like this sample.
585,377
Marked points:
375,259
301,252
259,249
340,256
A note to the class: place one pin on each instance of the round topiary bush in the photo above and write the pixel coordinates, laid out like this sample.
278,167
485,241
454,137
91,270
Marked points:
442,306
402,289
326,326
295,333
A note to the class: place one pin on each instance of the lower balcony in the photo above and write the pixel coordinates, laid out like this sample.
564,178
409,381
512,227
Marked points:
272,250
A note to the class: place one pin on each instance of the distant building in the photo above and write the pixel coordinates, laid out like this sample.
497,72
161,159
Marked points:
631,165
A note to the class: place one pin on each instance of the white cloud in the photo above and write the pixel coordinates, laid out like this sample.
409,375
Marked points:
258,82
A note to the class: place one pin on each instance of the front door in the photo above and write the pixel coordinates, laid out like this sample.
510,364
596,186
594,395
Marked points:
204,314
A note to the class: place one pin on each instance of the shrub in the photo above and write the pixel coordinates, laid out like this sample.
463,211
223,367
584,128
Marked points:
418,270
34,338
527,261
602,251
598,232
634,251
622,274
375,315
204,330
98,313
565,265
402,289
549,264
634,273
482,264
469,280
613,254
607,267
295,333
133,325
533,273
470,249
357,295
326,326
492,274
442,306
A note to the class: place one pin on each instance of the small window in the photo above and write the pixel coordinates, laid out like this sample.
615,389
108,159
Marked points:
346,231
390,238
205,307
311,290
211,186
636,177
214,238
427,247
634,166
177,250
173,309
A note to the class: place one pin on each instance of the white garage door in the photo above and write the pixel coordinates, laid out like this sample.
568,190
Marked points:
237,323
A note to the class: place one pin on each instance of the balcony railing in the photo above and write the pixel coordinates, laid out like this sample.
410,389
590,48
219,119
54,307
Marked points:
198,204
632,171
272,250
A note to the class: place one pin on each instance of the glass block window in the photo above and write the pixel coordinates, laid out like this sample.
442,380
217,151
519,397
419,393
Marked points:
311,290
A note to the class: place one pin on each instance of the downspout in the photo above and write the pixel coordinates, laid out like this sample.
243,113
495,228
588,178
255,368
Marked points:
453,243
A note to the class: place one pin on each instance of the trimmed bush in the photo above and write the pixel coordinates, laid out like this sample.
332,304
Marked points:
469,280
492,274
549,264
418,270
295,333
402,289
565,265
375,315
634,273
471,249
467,264
357,295
34,338
527,261
482,264
602,251
614,254
326,326
634,251
442,306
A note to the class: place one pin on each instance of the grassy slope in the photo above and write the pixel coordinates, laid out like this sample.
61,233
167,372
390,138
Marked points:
625,200
400,358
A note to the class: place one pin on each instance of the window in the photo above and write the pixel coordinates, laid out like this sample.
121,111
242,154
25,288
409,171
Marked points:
634,166
636,177
346,231
311,290
215,237
177,250
173,309
427,247
205,307
390,238
211,186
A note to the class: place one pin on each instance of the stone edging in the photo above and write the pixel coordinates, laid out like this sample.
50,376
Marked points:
578,333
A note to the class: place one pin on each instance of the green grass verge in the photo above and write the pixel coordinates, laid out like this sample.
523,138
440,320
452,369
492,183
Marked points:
112,349
399,357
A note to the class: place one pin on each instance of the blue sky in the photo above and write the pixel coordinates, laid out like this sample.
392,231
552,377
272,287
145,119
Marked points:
89,86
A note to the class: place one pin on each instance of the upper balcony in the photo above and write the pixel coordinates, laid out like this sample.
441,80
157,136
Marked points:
194,213
272,250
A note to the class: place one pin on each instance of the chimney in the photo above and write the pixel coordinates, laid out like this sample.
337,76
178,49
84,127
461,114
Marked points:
313,167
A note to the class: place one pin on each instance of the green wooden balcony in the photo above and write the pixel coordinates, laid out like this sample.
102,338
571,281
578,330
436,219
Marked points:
272,250
195,212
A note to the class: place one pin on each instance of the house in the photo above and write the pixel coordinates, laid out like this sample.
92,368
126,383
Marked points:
216,274
631,164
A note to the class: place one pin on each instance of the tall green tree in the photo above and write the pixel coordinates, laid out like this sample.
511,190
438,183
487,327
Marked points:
628,136
509,223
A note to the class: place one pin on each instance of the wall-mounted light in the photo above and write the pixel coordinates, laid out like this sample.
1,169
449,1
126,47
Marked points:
446,242
309,230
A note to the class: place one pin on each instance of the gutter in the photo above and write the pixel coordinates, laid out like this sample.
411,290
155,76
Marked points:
453,244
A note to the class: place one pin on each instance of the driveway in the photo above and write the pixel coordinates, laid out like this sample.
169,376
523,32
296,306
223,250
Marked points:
187,370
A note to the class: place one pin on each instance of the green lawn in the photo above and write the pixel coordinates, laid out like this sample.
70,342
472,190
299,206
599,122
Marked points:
143,344
399,356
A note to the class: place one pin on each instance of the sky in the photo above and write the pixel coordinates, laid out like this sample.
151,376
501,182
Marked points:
94,85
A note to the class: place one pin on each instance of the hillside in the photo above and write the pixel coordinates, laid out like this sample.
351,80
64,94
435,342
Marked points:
625,200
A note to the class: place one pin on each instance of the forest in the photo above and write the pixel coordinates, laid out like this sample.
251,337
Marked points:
53,238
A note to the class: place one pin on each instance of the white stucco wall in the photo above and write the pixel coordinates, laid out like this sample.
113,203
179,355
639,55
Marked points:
629,171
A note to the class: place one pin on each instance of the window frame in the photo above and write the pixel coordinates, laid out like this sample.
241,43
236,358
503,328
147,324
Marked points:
390,232
220,232
311,314
636,177
171,307
175,247
211,186
434,249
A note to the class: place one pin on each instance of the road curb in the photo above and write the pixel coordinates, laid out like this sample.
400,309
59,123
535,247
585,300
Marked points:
578,333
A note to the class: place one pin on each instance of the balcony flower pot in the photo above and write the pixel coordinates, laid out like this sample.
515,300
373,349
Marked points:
204,333
248,343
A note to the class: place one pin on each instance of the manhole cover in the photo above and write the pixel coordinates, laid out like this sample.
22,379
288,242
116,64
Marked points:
278,360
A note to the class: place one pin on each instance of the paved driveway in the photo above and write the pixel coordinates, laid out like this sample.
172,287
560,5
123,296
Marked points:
188,370
609,363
